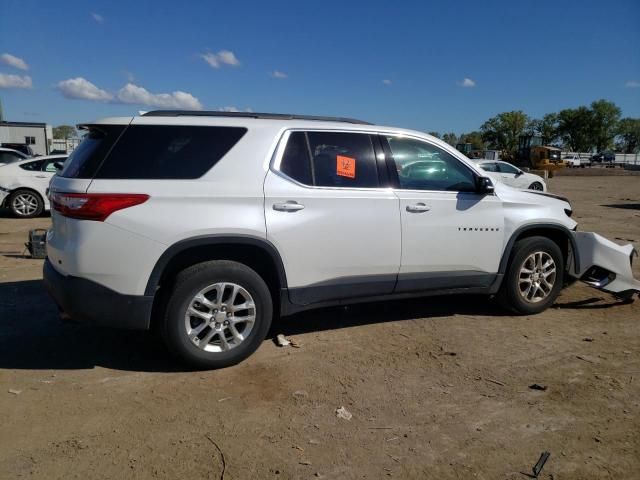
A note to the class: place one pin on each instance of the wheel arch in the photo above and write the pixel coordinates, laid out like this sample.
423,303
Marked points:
254,252
559,234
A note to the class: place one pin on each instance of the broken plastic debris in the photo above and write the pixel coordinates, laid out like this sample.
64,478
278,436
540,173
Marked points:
343,413
282,341
536,386
14,391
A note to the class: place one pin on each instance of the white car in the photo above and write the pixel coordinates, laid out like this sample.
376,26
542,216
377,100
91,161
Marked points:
23,184
513,176
207,224
573,160
8,155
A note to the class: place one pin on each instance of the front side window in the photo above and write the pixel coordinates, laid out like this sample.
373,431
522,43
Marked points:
508,168
423,166
54,165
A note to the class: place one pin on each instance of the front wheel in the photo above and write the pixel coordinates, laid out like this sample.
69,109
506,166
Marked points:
536,186
217,315
534,276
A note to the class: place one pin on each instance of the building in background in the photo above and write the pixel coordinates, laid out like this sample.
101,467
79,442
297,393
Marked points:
37,136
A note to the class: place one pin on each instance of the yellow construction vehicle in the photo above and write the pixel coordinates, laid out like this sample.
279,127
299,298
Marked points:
533,154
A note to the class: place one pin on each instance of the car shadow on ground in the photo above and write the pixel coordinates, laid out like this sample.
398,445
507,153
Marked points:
624,206
33,337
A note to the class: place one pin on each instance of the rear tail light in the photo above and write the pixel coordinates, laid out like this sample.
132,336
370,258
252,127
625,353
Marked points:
93,206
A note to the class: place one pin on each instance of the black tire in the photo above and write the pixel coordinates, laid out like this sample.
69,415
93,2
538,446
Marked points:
510,296
188,284
14,203
536,186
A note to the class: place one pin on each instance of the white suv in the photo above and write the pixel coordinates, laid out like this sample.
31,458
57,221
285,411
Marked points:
208,224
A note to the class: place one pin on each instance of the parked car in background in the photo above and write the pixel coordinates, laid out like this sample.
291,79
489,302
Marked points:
604,157
20,147
9,155
512,175
573,160
23,184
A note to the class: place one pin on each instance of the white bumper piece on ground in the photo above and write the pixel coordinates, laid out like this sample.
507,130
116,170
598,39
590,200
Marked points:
605,264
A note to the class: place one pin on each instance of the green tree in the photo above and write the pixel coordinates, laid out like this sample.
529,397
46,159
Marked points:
547,128
575,128
605,117
435,134
451,138
64,131
474,138
628,138
502,131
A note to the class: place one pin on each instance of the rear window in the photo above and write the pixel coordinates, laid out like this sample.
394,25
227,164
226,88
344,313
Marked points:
168,152
87,157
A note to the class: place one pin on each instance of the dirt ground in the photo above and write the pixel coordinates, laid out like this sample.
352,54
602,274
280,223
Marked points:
438,387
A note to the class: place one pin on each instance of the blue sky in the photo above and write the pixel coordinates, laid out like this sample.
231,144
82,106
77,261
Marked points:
399,63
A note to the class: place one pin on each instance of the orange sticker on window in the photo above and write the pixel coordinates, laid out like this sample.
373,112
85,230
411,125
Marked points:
346,166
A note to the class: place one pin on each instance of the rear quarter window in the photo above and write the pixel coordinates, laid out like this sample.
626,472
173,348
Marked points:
87,157
168,151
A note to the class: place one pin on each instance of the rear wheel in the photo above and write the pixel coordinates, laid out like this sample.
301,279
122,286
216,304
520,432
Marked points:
534,276
217,315
25,203
536,186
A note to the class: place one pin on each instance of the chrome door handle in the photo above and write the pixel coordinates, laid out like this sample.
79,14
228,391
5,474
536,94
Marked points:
41,176
288,206
418,208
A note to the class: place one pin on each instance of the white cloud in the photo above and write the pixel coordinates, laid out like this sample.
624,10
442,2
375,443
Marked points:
386,81
467,83
15,81
223,57
632,84
129,94
97,17
134,94
13,61
82,88
279,74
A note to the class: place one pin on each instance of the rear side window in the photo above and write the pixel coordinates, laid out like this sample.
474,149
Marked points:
489,167
168,151
87,157
32,166
343,160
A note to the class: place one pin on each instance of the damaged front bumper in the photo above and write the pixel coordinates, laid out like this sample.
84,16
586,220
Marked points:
604,264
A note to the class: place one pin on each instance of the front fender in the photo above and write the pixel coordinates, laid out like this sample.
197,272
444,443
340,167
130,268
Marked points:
604,264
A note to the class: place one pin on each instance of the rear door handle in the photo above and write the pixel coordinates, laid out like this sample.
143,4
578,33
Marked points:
290,206
418,208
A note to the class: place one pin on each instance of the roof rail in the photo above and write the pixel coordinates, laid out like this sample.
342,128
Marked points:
268,116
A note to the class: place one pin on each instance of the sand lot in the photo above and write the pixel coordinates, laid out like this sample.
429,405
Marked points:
438,387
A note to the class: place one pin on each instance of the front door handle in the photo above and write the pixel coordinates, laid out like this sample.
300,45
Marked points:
418,208
41,176
290,206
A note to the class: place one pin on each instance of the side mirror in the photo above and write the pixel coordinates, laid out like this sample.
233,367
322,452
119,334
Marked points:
520,172
484,186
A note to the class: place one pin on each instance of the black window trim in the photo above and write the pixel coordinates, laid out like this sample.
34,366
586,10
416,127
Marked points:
276,159
393,173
